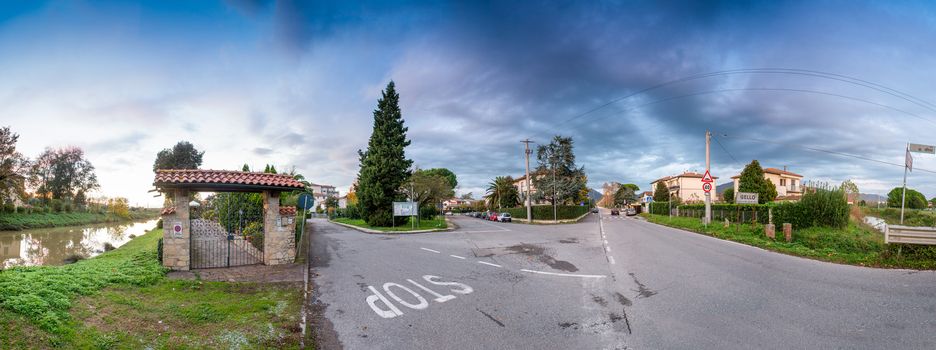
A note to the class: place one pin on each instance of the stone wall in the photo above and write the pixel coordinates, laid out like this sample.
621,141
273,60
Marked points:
176,245
279,238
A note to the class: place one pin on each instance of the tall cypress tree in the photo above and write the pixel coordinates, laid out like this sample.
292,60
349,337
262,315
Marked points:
384,166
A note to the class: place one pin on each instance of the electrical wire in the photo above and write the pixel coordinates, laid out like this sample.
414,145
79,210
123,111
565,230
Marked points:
724,149
826,151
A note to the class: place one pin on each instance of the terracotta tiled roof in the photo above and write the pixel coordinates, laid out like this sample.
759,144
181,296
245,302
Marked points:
167,211
288,211
685,174
774,171
781,172
228,177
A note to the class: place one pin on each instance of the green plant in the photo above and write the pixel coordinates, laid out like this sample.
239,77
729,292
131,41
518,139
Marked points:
254,233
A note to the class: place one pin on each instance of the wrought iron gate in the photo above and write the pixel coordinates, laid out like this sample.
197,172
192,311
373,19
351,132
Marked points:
227,231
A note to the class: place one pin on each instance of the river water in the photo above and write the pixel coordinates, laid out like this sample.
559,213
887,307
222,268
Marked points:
51,246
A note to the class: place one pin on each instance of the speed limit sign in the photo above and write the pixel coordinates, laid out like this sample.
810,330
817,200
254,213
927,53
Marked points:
707,187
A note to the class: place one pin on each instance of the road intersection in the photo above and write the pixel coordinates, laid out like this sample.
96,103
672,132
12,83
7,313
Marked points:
603,283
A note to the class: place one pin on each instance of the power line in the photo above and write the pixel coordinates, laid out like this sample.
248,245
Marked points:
788,71
826,151
725,149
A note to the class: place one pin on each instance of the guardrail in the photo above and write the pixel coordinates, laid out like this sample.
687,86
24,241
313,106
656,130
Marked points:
909,234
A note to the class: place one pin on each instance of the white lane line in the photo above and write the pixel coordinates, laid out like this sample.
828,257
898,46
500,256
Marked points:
563,274
430,250
487,263
608,249
611,259
457,257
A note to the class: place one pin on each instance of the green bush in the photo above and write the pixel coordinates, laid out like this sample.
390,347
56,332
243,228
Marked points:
659,208
427,212
545,212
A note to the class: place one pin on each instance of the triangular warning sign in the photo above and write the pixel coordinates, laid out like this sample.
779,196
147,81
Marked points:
707,177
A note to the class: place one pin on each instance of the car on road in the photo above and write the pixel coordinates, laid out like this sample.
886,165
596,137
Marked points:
504,217
493,216
631,212
594,210
615,212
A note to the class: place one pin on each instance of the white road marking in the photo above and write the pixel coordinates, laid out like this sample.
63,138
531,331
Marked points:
439,298
487,263
611,259
430,250
563,274
457,257
608,249
419,306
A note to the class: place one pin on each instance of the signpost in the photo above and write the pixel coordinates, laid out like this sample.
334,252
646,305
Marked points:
707,179
908,166
304,203
404,209
746,198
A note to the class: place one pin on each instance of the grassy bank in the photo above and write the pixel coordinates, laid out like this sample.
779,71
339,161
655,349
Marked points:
22,221
121,299
423,225
856,244
912,217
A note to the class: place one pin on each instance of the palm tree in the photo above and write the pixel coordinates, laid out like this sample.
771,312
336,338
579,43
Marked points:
501,192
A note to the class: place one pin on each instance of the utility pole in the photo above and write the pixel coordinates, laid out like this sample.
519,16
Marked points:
555,219
903,197
708,164
528,201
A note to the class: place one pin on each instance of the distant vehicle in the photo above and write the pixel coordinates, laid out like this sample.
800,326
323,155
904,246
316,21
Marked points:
493,216
594,210
448,213
631,212
504,217
615,212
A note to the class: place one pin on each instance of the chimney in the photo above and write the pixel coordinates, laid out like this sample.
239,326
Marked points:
784,168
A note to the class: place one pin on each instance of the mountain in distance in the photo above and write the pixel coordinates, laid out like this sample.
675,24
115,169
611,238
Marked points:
595,196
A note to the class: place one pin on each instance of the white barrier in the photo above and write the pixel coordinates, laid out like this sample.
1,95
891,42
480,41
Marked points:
909,234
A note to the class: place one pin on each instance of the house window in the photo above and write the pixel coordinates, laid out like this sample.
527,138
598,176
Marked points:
782,182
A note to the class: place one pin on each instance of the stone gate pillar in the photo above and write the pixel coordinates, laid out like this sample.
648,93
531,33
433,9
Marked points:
177,231
279,238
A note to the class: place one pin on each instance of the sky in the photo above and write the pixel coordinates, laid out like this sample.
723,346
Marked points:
295,83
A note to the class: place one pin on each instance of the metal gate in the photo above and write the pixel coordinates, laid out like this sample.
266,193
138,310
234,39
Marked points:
227,230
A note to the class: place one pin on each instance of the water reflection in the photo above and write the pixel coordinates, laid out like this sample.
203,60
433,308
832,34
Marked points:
51,246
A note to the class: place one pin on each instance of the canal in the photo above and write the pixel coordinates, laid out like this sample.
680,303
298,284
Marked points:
53,246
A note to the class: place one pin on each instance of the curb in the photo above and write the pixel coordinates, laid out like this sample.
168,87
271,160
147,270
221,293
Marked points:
367,230
550,222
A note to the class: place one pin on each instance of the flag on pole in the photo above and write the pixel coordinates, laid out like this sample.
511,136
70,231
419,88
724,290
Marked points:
908,162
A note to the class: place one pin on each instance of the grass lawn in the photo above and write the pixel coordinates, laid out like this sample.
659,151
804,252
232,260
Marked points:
22,221
121,299
423,225
855,244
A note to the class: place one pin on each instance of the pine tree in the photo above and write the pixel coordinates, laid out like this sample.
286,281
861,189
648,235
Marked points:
384,166
752,180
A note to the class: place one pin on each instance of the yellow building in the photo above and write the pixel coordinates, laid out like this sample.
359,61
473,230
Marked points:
686,186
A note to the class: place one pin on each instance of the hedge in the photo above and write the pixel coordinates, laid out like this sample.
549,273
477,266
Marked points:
821,207
545,212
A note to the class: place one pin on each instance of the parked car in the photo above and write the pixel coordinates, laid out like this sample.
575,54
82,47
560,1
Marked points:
504,217
493,216
594,210
631,212
615,212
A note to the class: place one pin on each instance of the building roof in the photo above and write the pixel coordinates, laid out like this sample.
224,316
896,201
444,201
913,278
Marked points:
775,171
167,211
224,180
685,174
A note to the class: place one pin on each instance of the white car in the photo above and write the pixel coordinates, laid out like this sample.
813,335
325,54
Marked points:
504,217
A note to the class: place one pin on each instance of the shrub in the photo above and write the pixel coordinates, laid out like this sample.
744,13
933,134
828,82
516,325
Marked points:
427,212
159,250
659,208
254,233
159,223
824,206
108,246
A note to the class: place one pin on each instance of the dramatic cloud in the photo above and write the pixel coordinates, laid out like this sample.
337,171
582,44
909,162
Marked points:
294,83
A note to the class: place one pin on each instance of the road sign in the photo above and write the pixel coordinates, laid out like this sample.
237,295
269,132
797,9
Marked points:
305,201
922,148
707,178
404,209
746,198
177,229
707,187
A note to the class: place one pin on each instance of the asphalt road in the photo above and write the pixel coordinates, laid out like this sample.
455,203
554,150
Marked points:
608,283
